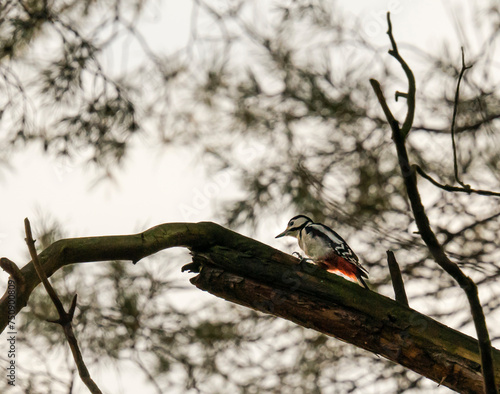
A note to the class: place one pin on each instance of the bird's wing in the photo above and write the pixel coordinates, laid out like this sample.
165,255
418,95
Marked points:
337,243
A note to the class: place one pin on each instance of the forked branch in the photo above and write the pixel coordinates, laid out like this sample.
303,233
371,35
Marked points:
65,318
410,96
422,221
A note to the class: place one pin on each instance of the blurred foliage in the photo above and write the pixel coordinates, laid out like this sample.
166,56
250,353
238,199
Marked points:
57,92
286,105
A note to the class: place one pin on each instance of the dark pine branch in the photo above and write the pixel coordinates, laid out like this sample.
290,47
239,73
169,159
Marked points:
425,230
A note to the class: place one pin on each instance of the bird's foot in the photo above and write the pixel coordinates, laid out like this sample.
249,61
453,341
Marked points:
305,262
302,259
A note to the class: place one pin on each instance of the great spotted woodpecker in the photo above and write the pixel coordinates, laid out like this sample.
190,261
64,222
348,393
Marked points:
326,248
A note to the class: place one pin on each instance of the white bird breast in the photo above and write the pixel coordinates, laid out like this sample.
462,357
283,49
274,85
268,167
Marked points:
314,247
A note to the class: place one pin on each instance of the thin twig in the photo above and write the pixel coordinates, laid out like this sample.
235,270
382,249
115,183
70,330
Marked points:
453,121
397,279
450,236
427,234
383,103
410,96
450,188
65,318
487,119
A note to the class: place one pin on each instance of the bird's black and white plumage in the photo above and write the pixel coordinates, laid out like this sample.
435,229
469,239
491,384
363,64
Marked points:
326,248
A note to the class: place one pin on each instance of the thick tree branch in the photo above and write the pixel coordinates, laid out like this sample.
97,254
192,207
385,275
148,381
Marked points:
65,318
428,236
250,273
341,309
195,236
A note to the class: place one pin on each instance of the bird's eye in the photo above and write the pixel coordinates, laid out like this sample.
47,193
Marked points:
290,224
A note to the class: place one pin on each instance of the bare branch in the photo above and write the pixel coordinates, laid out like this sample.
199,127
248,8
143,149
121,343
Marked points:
383,103
397,279
64,318
453,121
449,188
39,270
410,96
461,129
426,232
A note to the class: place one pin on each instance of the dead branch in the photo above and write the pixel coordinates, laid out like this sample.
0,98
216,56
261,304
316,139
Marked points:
450,188
454,119
397,279
65,318
426,232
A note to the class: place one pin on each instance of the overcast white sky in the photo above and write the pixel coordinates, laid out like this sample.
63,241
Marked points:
175,180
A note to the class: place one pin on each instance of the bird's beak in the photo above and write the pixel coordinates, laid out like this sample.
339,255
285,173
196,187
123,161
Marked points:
281,234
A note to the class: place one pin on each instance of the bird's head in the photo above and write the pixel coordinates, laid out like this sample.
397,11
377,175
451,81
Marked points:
295,224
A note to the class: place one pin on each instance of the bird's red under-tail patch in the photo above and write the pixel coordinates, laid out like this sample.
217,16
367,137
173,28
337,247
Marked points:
338,265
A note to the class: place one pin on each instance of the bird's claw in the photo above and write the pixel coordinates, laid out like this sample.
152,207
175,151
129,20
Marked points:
302,259
306,264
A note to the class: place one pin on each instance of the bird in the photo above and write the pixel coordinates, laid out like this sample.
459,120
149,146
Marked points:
326,248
